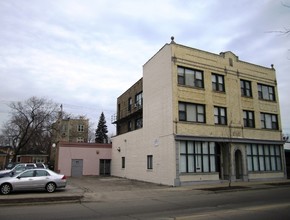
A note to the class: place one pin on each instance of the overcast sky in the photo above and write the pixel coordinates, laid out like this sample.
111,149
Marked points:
85,53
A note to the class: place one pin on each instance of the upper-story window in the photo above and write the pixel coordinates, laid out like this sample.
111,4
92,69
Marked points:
266,92
269,121
81,128
249,120
130,102
220,115
139,100
191,112
218,83
190,77
246,88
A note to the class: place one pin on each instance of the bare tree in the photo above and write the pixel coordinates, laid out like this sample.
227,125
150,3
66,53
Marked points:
285,31
29,128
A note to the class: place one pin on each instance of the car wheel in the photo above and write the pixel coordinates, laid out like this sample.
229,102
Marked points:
50,187
5,188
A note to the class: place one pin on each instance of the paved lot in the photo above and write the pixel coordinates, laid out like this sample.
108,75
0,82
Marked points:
108,184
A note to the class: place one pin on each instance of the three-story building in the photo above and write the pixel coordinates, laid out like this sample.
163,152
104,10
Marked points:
202,117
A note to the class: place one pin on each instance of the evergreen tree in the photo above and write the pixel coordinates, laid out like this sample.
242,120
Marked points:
101,131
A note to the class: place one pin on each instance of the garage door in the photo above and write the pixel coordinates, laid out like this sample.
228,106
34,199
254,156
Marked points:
77,167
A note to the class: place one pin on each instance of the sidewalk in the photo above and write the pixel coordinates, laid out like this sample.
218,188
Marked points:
98,189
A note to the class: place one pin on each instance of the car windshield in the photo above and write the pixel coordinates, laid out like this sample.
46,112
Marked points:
10,166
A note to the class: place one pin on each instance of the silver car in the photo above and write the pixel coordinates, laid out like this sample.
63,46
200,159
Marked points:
33,179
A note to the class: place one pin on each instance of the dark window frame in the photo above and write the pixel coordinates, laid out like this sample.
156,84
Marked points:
249,119
273,121
149,162
123,162
139,100
198,158
183,114
197,75
266,92
218,86
130,103
81,128
246,88
264,157
220,119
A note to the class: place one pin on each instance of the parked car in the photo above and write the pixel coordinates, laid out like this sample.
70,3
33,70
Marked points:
19,168
33,179
10,165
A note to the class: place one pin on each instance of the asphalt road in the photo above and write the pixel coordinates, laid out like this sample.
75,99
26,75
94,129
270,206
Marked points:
257,204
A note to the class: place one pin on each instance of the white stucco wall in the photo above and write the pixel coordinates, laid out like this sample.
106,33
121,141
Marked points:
156,136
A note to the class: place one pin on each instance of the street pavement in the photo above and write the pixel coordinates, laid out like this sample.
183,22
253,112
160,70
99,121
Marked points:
102,189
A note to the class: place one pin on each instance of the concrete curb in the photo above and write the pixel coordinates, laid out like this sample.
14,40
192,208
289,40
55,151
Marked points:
39,200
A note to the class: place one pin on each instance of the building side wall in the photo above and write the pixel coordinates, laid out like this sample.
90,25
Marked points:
156,136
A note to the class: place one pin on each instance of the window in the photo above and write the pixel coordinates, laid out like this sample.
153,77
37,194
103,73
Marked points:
269,121
41,173
190,77
149,162
249,121
220,116
138,123
191,112
264,157
246,88
28,173
123,162
266,92
81,128
139,100
218,83
197,157
80,140
130,102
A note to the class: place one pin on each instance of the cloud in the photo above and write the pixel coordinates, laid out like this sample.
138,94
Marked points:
85,53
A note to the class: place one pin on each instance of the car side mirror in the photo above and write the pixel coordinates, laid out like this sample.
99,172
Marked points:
19,177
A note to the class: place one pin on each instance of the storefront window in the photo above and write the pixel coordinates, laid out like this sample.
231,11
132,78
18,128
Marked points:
197,157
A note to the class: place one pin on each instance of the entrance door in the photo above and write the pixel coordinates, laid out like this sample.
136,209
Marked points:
76,167
218,159
238,163
105,167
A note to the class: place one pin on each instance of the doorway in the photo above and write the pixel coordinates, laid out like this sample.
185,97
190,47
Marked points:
105,167
238,165
77,167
